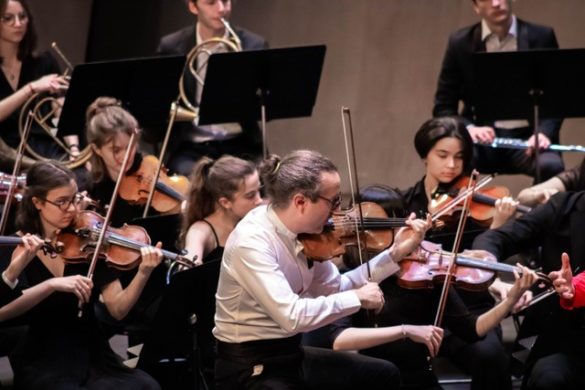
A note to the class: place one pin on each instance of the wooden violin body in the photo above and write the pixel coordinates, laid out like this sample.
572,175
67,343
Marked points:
170,191
376,232
121,248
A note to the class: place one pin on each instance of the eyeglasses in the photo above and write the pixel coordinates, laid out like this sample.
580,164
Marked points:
10,19
333,203
63,204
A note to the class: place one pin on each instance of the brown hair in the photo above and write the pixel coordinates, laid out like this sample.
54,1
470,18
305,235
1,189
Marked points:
211,180
28,44
105,118
299,171
41,178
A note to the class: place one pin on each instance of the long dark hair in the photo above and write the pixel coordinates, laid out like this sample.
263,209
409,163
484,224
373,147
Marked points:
28,44
41,178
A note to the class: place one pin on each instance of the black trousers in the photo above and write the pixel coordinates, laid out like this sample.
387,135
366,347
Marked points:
557,371
284,364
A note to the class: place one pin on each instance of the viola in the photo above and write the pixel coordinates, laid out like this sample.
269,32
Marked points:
6,182
429,264
375,233
483,201
170,191
121,248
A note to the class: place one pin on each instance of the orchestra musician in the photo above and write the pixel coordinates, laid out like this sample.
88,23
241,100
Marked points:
446,149
63,350
268,292
222,192
23,75
556,359
191,142
499,30
570,180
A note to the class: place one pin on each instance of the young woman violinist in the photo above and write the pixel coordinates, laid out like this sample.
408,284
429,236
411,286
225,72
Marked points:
63,350
222,192
24,74
109,128
446,148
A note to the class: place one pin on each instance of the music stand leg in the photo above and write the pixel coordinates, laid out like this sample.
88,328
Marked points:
198,376
535,95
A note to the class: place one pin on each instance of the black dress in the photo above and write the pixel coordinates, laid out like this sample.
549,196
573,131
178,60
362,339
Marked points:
217,252
63,351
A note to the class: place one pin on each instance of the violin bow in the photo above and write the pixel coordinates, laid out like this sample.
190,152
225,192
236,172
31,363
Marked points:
463,195
354,188
471,187
109,213
15,170
172,115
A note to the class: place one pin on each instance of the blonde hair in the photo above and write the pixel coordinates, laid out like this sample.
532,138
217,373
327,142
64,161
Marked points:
105,118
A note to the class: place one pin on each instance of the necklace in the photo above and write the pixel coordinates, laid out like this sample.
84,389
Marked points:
10,72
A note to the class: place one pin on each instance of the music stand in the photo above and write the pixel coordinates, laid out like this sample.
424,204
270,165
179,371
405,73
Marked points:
261,85
524,84
145,86
181,329
163,228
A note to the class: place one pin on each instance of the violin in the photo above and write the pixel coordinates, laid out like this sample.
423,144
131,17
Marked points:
429,264
6,182
482,208
376,232
170,191
121,249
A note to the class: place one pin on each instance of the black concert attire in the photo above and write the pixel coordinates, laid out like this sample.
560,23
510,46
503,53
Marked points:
485,357
455,85
11,332
184,148
33,68
574,179
557,358
124,212
63,351
414,307
217,252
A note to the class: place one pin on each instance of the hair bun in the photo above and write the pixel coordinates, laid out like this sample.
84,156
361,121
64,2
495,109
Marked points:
99,105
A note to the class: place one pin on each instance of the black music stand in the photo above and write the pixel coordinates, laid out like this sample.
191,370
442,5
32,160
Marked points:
529,84
163,228
179,350
145,86
261,85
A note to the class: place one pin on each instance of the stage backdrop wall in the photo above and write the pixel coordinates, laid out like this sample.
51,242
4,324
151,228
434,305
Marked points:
383,58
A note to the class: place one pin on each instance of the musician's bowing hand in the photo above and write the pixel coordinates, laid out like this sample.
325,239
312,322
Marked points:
408,238
76,284
563,279
543,142
429,335
370,296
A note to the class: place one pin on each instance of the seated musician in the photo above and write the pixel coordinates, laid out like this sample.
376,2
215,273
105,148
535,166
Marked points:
61,349
191,142
268,293
408,312
557,358
109,128
222,192
23,75
446,149
570,180
498,31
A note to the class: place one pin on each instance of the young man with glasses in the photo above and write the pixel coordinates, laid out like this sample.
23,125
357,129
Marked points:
269,292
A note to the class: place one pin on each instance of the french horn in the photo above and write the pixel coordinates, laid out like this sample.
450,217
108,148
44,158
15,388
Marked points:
44,108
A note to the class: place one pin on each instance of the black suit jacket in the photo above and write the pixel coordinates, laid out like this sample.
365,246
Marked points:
181,42
456,77
557,226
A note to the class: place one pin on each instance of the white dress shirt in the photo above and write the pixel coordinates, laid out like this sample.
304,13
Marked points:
267,290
